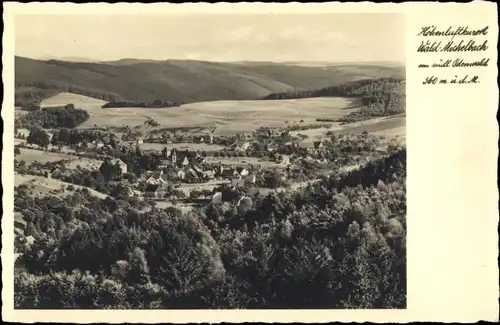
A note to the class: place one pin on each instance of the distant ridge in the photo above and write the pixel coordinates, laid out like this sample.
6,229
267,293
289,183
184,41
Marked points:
180,81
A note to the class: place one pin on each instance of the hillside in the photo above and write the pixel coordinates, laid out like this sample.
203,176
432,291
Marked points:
378,97
181,81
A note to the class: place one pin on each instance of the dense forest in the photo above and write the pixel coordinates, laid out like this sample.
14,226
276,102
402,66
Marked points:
340,243
53,117
378,97
152,104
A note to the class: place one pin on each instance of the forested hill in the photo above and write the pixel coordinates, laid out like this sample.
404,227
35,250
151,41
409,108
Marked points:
368,87
378,97
180,81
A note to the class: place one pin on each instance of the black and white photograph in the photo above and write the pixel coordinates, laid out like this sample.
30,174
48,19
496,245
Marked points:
210,161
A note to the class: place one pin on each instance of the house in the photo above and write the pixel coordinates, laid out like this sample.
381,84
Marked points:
181,174
161,191
139,141
185,161
242,171
245,145
209,174
129,191
271,147
198,170
157,178
192,175
318,144
164,163
150,190
121,165
200,160
208,138
228,172
250,179
284,159
55,173
237,181
157,191
217,198
100,144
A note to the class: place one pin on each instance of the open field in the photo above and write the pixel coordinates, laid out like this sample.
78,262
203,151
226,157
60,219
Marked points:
229,117
98,115
45,186
32,155
393,125
181,146
244,161
187,188
245,116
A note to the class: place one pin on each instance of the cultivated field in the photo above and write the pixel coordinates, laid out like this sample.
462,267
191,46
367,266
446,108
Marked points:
47,186
229,117
181,146
393,125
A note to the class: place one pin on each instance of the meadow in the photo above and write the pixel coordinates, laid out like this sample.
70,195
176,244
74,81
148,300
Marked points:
181,146
229,117
42,186
32,155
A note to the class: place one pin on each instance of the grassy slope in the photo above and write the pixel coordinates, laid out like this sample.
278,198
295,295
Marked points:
181,80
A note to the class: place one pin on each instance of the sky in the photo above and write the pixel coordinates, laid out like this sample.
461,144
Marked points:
237,37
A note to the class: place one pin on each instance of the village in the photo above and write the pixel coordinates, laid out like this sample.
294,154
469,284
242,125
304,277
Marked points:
185,166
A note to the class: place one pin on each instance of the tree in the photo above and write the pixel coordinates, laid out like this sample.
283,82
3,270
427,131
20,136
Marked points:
272,179
17,151
55,138
64,136
109,170
39,137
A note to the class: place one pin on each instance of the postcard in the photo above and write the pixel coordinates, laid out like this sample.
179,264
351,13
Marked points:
250,162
